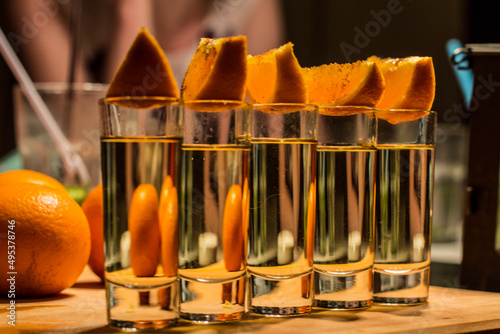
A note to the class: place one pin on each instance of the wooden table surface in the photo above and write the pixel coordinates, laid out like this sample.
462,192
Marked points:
82,309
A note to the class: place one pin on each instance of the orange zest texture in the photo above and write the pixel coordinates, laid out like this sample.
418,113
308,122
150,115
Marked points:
144,72
410,83
353,84
410,88
144,231
276,77
217,70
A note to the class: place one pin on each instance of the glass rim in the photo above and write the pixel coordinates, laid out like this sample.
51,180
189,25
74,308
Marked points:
284,107
334,106
63,87
404,110
286,104
217,103
139,98
139,102
333,110
396,116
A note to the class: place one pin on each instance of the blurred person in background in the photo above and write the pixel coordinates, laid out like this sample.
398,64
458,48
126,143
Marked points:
40,31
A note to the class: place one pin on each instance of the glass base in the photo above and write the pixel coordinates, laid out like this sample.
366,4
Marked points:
343,292
280,297
343,305
401,289
135,309
211,302
135,326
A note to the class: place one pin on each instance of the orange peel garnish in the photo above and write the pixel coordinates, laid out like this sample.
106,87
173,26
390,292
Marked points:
144,72
217,70
276,77
353,84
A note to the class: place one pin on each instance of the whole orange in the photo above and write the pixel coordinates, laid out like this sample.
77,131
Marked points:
92,207
49,239
29,176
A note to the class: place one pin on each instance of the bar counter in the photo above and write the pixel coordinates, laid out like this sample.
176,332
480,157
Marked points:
82,309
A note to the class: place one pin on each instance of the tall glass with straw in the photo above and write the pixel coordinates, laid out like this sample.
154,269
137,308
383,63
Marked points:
71,160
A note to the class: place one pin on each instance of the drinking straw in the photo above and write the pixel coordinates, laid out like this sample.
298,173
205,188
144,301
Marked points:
71,160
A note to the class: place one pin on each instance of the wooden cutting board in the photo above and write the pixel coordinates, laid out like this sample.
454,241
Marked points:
82,308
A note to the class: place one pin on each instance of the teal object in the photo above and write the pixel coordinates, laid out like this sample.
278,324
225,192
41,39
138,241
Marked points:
11,161
458,55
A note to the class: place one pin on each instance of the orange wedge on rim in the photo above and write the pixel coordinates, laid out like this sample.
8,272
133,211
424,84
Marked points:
276,77
217,71
352,84
410,84
144,72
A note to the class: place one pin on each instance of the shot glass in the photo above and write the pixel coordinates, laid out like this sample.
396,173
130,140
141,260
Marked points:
214,211
140,145
405,176
344,240
282,209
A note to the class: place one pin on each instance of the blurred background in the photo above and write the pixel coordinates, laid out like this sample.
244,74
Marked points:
323,31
